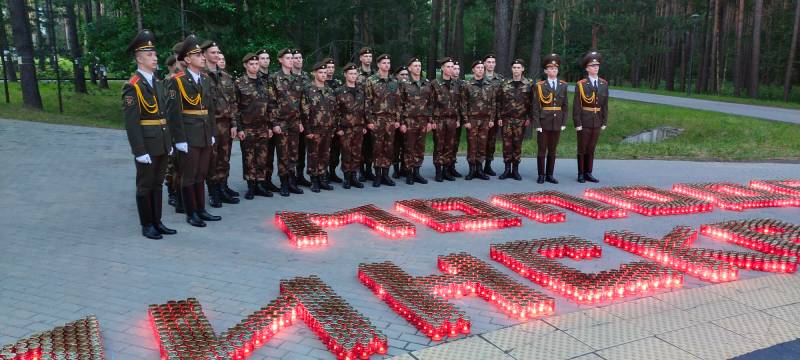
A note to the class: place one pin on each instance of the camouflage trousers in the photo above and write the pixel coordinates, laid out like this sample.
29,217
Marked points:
255,156
287,146
336,152
383,143
173,176
446,142
318,148
366,147
414,147
399,147
220,167
351,142
271,154
476,141
513,134
491,142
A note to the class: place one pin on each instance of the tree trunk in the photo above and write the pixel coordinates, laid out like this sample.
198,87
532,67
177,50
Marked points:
714,59
87,11
458,33
595,25
738,56
9,69
448,13
75,48
41,44
97,9
535,63
758,8
433,42
702,73
502,26
669,67
787,79
515,20
24,45
137,10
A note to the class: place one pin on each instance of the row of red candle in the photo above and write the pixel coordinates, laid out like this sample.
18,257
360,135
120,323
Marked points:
259,327
76,340
649,201
481,279
347,333
301,231
430,314
520,204
630,279
586,207
370,215
787,187
763,235
479,214
666,252
734,197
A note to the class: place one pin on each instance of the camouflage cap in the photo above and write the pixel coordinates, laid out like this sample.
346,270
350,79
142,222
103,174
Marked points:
248,57
208,44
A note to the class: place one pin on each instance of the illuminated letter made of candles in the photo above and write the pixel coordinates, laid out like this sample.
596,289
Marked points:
422,301
648,201
535,205
536,261
674,250
730,196
478,214
768,236
183,331
786,187
76,340
305,229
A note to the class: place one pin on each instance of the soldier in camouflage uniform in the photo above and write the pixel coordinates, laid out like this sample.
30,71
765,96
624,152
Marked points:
417,120
401,74
478,107
226,117
285,94
351,113
550,107
514,109
143,111
221,63
255,131
457,77
263,73
172,179
445,98
297,70
319,121
365,71
336,151
496,79
383,118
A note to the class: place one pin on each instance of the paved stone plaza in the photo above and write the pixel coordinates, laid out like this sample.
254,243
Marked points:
71,246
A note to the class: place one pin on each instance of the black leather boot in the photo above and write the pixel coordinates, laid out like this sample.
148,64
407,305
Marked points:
293,185
188,199
515,172
588,176
269,185
506,172
149,231
418,177
487,169
385,178
229,191
397,173
354,182
163,229
213,195
438,177
332,177
409,178
315,184
368,175
376,181
323,183
540,179
179,201
205,216
472,172
479,172
300,180
453,172
581,179
225,196
449,173
550,179
261,189
284,190
348,177
145,208
251,190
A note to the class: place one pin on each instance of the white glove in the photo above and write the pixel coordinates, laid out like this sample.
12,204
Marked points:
144,159
539,129
182,146
213,140
171,150
563,128
603,127
578,128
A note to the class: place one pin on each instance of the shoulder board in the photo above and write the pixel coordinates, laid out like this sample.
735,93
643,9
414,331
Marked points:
134,79
582,81
562,81
602,80
179,74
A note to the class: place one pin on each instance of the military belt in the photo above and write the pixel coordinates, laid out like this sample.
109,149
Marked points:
591,109
553,108
153,122
195,112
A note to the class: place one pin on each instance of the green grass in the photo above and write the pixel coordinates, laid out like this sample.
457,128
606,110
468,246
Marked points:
98,108
794,103
707,136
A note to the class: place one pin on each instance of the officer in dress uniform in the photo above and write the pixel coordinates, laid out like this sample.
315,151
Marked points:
190,113
589,114
549,117
148,135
